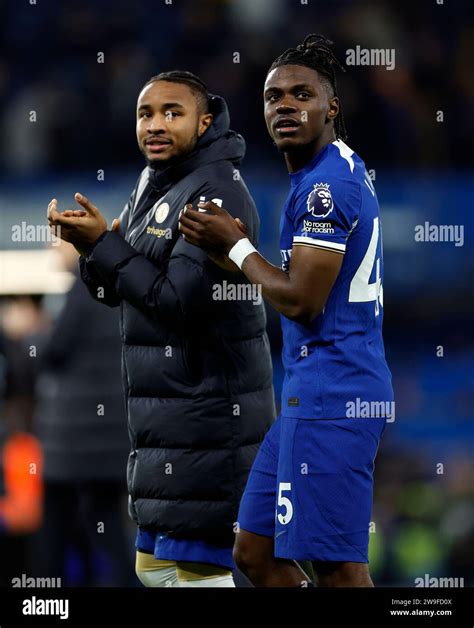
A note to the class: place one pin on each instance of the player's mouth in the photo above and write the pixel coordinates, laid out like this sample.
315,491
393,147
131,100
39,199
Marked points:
286,126
157,144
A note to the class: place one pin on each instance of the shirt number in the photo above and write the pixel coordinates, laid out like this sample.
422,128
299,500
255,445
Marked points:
285,502
360,289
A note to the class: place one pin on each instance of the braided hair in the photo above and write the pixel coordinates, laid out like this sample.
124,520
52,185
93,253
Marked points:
315,53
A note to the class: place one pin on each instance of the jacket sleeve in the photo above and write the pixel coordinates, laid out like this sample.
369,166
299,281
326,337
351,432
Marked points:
99,287
178,291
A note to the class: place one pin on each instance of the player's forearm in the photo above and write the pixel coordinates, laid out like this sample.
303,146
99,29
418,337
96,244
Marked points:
175,292
279,289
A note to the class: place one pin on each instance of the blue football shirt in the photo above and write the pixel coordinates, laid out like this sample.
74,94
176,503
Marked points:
337,362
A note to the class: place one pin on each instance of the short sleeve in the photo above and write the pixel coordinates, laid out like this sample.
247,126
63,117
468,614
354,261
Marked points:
325,213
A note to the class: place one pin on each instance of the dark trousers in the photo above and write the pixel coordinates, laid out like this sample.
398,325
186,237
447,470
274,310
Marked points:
85,524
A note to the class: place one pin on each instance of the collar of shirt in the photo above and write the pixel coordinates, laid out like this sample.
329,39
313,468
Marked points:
299,175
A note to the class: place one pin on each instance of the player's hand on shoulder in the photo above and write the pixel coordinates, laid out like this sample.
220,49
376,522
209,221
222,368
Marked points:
222,260
210,227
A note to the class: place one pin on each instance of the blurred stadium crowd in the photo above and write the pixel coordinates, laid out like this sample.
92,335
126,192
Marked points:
423,512
51,61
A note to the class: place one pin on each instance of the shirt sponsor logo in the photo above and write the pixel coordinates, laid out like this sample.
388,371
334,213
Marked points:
319,201
310,226
160,233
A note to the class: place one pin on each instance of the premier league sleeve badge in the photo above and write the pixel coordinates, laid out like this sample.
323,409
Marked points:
319,201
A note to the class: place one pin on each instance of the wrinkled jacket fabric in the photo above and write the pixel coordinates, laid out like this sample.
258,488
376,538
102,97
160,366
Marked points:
196,359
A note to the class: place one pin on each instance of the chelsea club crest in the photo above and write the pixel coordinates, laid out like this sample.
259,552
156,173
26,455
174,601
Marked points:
161,212
319,201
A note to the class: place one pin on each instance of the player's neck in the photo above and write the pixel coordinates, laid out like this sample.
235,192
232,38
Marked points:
297,159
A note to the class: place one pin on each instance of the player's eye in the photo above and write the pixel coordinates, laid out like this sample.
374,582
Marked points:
271,97
303,94
144,114
172,114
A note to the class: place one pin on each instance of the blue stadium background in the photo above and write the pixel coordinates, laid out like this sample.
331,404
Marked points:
422,168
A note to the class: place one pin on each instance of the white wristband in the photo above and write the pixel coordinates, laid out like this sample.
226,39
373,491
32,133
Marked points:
240,251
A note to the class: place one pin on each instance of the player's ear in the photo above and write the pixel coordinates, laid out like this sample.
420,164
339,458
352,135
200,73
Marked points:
333,108
205,121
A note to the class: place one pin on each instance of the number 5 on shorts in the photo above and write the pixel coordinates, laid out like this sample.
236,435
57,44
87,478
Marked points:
284,501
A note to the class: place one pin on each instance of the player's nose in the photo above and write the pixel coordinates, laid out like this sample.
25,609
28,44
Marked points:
156,124
286,105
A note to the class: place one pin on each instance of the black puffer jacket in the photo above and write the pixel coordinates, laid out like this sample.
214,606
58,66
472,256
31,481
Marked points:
197,370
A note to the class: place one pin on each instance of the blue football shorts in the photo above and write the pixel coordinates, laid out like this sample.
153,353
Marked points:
310,488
